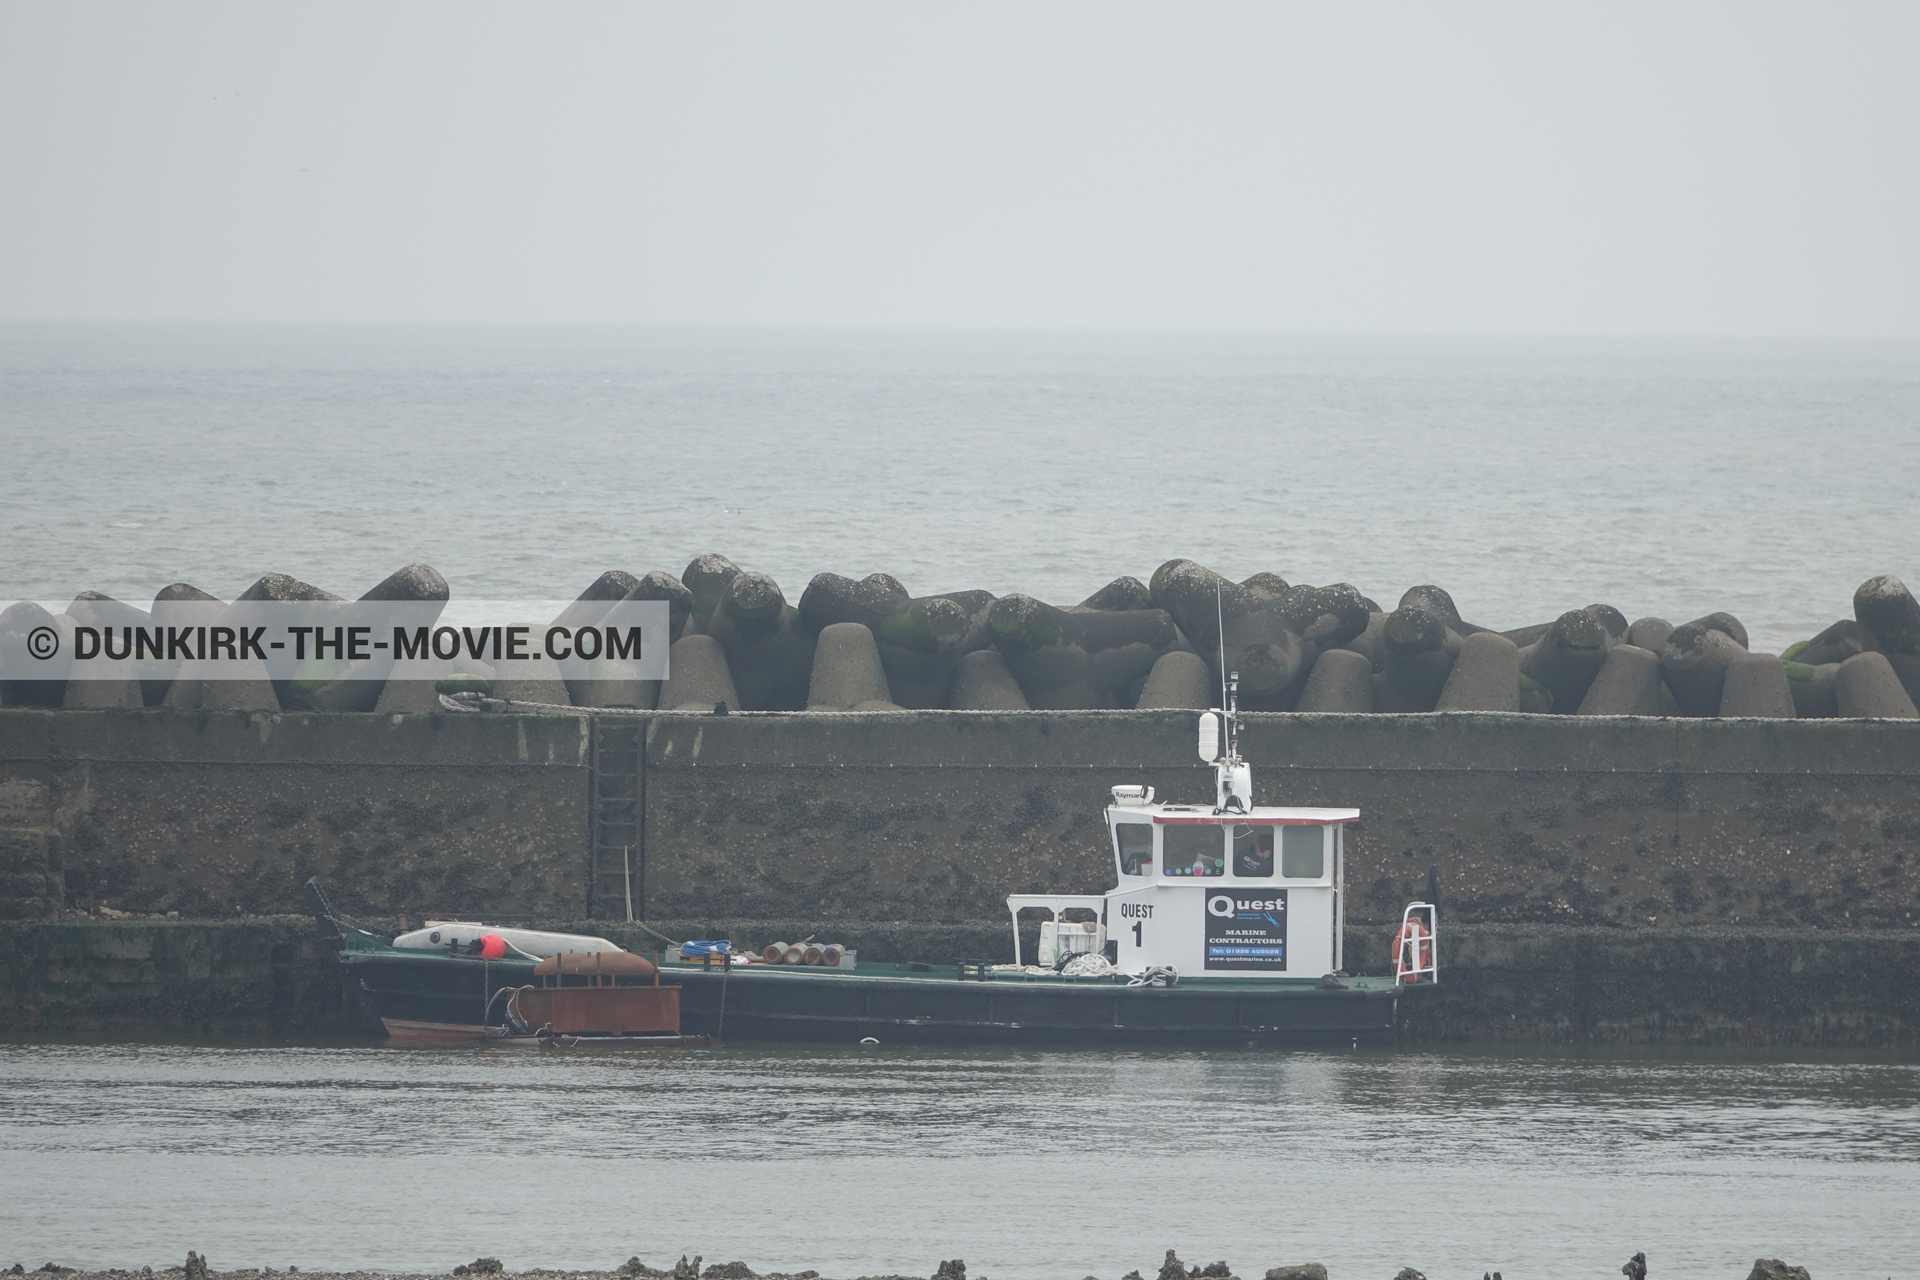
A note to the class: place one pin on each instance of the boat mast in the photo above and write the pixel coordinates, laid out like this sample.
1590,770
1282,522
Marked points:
1233,776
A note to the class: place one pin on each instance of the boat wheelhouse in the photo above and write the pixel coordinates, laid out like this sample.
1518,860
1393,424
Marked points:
1231,890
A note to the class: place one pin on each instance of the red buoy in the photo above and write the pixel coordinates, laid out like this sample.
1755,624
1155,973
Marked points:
493,947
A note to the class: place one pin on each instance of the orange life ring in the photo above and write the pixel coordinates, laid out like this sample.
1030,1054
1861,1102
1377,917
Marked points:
1413,936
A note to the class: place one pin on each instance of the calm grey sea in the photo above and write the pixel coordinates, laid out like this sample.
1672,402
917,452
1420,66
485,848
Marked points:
1028,1166
1527,476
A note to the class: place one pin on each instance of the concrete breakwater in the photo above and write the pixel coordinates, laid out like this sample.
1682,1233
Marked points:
869,645
934,816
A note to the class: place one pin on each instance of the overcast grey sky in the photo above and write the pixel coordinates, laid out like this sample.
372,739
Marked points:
1649,168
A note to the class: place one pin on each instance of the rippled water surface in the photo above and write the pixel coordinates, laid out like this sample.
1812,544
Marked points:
1528,476
1051,1166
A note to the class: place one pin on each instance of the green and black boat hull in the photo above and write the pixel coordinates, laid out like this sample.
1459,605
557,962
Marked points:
895,1004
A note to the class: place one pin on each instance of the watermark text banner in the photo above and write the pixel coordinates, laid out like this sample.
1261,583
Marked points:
322,640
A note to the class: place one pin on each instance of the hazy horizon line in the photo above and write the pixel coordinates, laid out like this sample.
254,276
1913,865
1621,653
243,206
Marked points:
777,326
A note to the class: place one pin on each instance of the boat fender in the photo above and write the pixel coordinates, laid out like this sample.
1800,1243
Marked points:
492,947
1412,948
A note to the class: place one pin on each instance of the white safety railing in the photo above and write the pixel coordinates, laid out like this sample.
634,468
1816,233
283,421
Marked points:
1416,953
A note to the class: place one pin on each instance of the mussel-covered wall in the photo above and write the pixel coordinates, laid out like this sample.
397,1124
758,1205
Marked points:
870,645
935,816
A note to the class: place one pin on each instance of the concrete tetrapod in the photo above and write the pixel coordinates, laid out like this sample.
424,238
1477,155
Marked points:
1328,617
1179,680
1568,657
1756,688
981,682
1649,633
1196,597
618,683
1259,642
1726,624
1270,585
1695,659
661,585
1268,653
1888,615
360,687
1866,687
1122,595
1438,602
706,579
1814,689
920,644
156,678
314,675
254,690
1889,619
847,675
1264,624
21,661
1041,648
110,684
1485,676
310,680
1068,660
1527,637
1613,620
697,676
768,650
1341,683
1122,647
1371,643
830,598
1419,658
92,609
1629,683
1836,644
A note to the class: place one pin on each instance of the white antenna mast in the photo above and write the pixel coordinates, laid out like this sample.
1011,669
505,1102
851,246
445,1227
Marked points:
1229,685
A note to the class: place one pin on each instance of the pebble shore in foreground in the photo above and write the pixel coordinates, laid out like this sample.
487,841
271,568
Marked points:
691,1269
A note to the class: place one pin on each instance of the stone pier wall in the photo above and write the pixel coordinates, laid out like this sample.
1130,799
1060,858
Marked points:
935,816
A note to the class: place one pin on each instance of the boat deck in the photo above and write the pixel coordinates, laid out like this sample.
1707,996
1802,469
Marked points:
949,972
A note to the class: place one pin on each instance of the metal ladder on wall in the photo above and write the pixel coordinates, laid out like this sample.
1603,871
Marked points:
616,878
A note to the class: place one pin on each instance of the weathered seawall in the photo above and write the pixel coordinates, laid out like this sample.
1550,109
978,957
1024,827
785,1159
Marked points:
935,816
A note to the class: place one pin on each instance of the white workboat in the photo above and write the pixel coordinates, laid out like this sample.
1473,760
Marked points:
1233,890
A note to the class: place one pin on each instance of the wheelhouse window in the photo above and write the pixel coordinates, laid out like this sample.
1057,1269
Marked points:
1193,849
1253,851
1135,843
1303,853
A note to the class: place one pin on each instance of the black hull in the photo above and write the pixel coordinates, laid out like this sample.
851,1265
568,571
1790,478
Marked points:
430,988
831,1009
1085,1015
